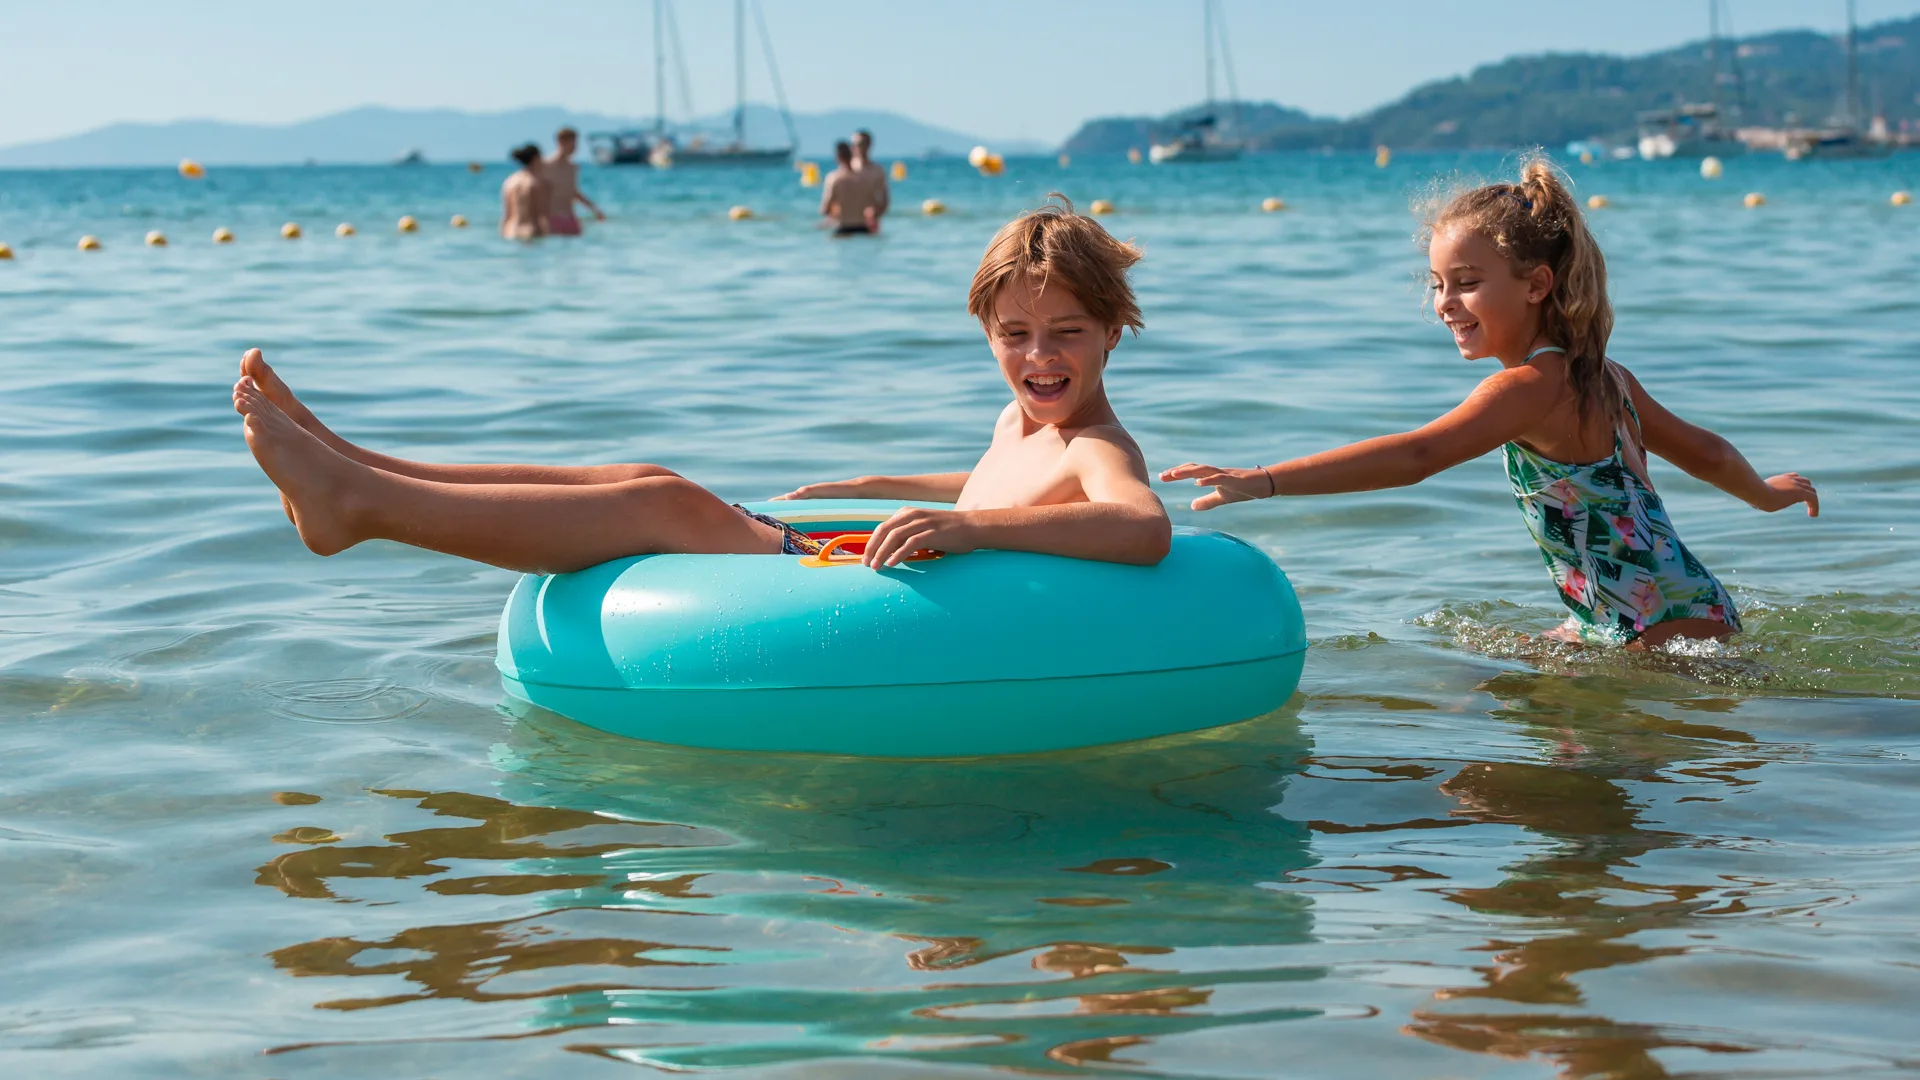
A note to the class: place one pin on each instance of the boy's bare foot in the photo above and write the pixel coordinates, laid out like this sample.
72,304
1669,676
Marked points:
310,476
254,366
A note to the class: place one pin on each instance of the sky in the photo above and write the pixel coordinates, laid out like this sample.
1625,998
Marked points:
1002,68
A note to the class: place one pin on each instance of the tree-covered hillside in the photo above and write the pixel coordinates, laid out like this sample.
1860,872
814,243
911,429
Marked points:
1788,78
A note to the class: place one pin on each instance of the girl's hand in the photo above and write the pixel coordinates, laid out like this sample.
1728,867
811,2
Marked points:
1229,485
1789,488
912,528
837,489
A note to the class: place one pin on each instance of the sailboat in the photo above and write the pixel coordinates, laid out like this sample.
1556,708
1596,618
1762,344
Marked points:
1694,130
1842,138
1199,139
661,148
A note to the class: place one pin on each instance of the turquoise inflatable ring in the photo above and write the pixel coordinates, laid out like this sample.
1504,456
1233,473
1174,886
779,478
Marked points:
991,652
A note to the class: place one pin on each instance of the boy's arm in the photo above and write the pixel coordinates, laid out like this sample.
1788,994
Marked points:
928,487
1706,456
582,196
1122,520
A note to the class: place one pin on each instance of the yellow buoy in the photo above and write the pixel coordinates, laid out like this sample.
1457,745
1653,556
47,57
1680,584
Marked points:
474,166
1101,206
89,243
156,238
192,169
740,213
899,170
994,165
458,221
223,235
408,224
342,229
933,206
809,174
1066,161
1901,198
5,253
1133,155
290,230
1711,168
1382,157
1754,199
1586,157
1271,204
1598,202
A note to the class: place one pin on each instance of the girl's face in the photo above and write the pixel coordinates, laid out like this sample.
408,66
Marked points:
1491,310
1051,352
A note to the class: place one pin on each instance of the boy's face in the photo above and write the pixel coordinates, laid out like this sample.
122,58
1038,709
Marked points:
1051,352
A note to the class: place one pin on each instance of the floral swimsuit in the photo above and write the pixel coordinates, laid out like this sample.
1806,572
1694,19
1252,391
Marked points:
1608,542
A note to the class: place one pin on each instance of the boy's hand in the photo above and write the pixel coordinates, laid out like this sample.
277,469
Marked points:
912,528
1789,488
1229,485
837,489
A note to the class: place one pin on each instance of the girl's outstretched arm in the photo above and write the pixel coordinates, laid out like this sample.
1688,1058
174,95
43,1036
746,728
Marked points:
1501,409
1706,456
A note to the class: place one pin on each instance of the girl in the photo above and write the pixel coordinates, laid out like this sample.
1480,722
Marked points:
1517,276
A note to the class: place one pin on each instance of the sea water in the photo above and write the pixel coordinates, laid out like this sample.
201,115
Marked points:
266,814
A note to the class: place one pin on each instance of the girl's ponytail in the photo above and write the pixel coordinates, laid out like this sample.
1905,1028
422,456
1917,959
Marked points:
1537,223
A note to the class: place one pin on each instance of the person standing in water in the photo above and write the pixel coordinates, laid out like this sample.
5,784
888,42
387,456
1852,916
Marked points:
563,183
1517,276
850,196
523,198
880,198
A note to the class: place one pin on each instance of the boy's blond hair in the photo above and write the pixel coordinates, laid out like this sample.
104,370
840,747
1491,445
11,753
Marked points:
1053,244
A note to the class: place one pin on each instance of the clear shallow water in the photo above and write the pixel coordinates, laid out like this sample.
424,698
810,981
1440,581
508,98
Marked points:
264,814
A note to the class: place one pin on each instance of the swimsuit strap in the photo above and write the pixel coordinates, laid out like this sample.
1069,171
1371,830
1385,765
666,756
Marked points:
1543,349
1626,428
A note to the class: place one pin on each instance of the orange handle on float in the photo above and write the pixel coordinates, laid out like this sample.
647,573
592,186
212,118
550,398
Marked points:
830,555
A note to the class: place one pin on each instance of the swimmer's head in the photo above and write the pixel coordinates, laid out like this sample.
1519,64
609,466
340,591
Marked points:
566,139
1512,262
526,155
1052,295
843,153
863,142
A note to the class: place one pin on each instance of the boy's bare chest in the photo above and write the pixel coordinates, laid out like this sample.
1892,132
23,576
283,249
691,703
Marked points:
1020,472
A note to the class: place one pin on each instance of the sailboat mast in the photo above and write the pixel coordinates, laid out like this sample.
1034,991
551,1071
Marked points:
739,73
1853,71
659,70
1206,6
1713,51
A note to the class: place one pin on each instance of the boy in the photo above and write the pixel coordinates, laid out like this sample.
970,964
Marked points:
563,186
1060,476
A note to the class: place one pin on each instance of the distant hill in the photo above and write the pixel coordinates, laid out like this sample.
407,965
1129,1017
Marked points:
1791,77
377,134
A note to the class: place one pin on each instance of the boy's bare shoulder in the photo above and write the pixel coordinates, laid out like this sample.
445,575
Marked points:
1095,438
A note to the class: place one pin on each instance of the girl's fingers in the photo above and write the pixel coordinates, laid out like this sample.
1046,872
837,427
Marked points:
1182,472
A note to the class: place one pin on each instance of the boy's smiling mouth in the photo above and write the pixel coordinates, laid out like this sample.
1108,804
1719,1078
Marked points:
1047,387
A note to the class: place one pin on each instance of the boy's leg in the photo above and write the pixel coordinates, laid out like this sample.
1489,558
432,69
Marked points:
537,528
254,366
